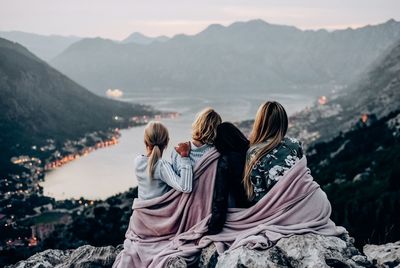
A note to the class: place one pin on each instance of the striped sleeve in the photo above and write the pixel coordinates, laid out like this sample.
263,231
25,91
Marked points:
175,162
182,183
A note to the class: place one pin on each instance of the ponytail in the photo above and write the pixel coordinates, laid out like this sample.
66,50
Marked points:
156,139
153,158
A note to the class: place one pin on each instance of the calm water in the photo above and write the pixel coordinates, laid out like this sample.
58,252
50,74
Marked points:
109,171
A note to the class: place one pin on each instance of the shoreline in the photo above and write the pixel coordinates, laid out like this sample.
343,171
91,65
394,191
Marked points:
112,139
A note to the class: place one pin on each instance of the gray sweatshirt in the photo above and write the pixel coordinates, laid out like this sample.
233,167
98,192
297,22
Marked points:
164,177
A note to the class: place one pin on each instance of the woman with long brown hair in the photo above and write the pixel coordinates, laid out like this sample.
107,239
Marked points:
271,153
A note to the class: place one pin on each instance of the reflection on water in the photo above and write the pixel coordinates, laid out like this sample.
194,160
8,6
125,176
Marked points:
109,171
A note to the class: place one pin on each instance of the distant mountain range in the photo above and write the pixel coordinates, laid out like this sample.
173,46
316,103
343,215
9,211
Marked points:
37,103
141,39
45,47
244,56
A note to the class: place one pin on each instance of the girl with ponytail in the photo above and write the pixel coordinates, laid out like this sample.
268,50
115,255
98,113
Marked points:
155,176
271,153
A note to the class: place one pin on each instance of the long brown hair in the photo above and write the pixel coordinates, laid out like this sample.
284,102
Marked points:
156,137
270,126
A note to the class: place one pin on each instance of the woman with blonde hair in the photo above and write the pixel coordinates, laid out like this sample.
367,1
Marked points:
204,132
155,176
271,153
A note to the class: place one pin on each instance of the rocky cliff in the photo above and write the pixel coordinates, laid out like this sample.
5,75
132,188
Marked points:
308,250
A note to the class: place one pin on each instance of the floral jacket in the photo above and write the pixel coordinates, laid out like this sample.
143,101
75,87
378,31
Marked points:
271,167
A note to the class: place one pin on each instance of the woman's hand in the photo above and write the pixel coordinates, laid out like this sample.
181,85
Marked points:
183,149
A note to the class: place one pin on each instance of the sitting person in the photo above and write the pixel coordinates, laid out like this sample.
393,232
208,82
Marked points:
155,176
232,144
271,153
204,131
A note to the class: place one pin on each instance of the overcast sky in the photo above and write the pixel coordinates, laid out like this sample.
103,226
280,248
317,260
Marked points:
118,18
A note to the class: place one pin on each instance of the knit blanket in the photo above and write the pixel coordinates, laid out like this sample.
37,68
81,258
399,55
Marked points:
174,224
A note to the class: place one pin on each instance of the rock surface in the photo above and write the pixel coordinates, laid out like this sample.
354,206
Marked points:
307,250
82,257
386,256
88,256
45,259
208,257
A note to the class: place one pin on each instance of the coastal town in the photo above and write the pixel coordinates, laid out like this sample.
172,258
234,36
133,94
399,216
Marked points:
27,216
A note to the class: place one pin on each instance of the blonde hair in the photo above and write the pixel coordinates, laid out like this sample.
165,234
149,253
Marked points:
204,128
270,126
156,137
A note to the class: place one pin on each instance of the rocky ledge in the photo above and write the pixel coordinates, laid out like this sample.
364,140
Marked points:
385,256
307,250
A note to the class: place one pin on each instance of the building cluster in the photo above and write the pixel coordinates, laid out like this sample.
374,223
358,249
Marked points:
26,215
75,149
144,119
21,196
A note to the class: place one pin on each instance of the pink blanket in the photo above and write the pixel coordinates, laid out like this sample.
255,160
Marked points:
174,224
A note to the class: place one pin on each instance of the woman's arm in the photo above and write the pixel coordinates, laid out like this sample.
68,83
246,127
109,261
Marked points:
182,183
181,150
175,161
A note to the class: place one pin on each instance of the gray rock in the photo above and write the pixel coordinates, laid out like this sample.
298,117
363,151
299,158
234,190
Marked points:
208,257
176,262
307,250
89,256
312,250
387,255
82,257
244,257
45,259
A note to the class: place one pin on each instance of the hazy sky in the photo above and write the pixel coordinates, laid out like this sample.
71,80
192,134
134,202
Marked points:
118,18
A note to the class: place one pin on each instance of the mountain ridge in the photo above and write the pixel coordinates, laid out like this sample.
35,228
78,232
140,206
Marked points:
44,46
139,38
232,58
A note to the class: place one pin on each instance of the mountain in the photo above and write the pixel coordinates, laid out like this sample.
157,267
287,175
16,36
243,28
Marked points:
48,47
38,103
252,56
45,47
360,173
141,39
353,151
375,95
